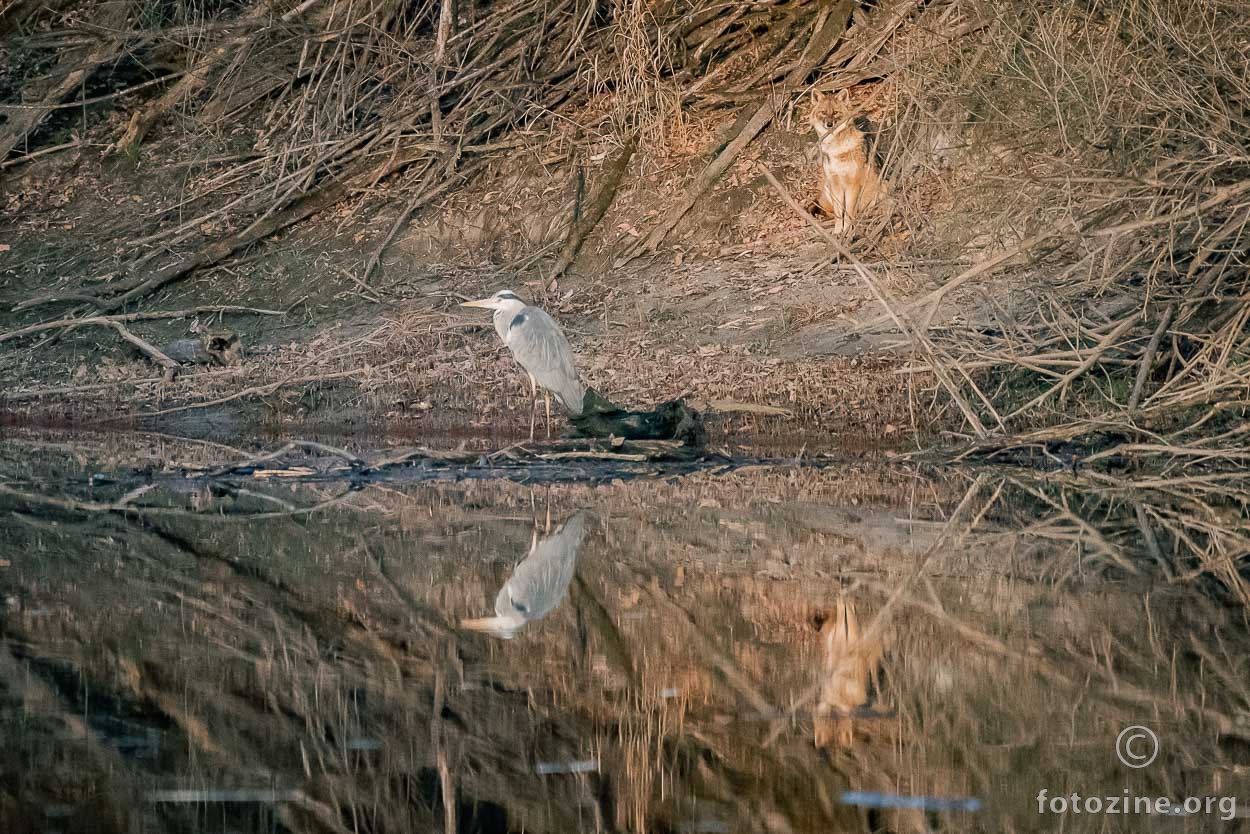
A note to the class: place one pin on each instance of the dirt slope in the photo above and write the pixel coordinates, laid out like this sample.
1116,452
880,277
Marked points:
744,307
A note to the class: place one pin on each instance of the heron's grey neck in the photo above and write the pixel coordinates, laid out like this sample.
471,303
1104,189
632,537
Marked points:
505,313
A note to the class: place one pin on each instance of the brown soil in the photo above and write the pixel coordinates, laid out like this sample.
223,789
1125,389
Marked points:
742,306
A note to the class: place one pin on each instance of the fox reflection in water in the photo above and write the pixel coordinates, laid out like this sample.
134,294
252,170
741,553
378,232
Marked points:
538,584
850,664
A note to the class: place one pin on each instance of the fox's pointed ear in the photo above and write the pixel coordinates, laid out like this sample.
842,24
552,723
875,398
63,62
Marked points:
842,96
818,98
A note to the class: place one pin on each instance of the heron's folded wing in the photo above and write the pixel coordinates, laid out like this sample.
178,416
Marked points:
542,349
540,582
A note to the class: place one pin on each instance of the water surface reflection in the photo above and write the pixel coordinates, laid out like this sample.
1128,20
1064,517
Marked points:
869,647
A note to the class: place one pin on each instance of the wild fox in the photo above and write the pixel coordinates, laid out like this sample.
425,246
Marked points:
849,182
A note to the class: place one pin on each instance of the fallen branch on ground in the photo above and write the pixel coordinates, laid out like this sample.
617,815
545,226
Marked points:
74,68
264,390
829,27
131,317
584,224
147,349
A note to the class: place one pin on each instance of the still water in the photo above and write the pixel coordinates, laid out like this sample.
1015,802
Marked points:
860,645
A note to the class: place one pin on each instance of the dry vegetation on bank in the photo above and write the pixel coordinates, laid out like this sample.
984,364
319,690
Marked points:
1064,249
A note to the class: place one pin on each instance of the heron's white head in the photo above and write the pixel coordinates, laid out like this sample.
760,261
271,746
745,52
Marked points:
506,305
502,300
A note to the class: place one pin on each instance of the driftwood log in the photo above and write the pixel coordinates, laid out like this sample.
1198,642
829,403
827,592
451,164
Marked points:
219,347
673,420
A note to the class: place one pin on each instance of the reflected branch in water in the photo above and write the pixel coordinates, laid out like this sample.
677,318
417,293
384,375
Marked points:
614,646
126,507
1179,531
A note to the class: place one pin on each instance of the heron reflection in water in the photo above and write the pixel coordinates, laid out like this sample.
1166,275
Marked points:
538,584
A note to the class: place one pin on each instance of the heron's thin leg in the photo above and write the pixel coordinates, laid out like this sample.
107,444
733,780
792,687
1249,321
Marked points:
533,404
547,397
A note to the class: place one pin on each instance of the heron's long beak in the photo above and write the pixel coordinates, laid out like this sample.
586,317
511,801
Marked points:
484,303
503,627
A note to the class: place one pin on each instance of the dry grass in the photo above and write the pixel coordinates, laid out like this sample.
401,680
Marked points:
1112,144
297,108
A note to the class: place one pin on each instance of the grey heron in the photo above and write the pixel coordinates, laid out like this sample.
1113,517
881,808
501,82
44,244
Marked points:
540,347
538,584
